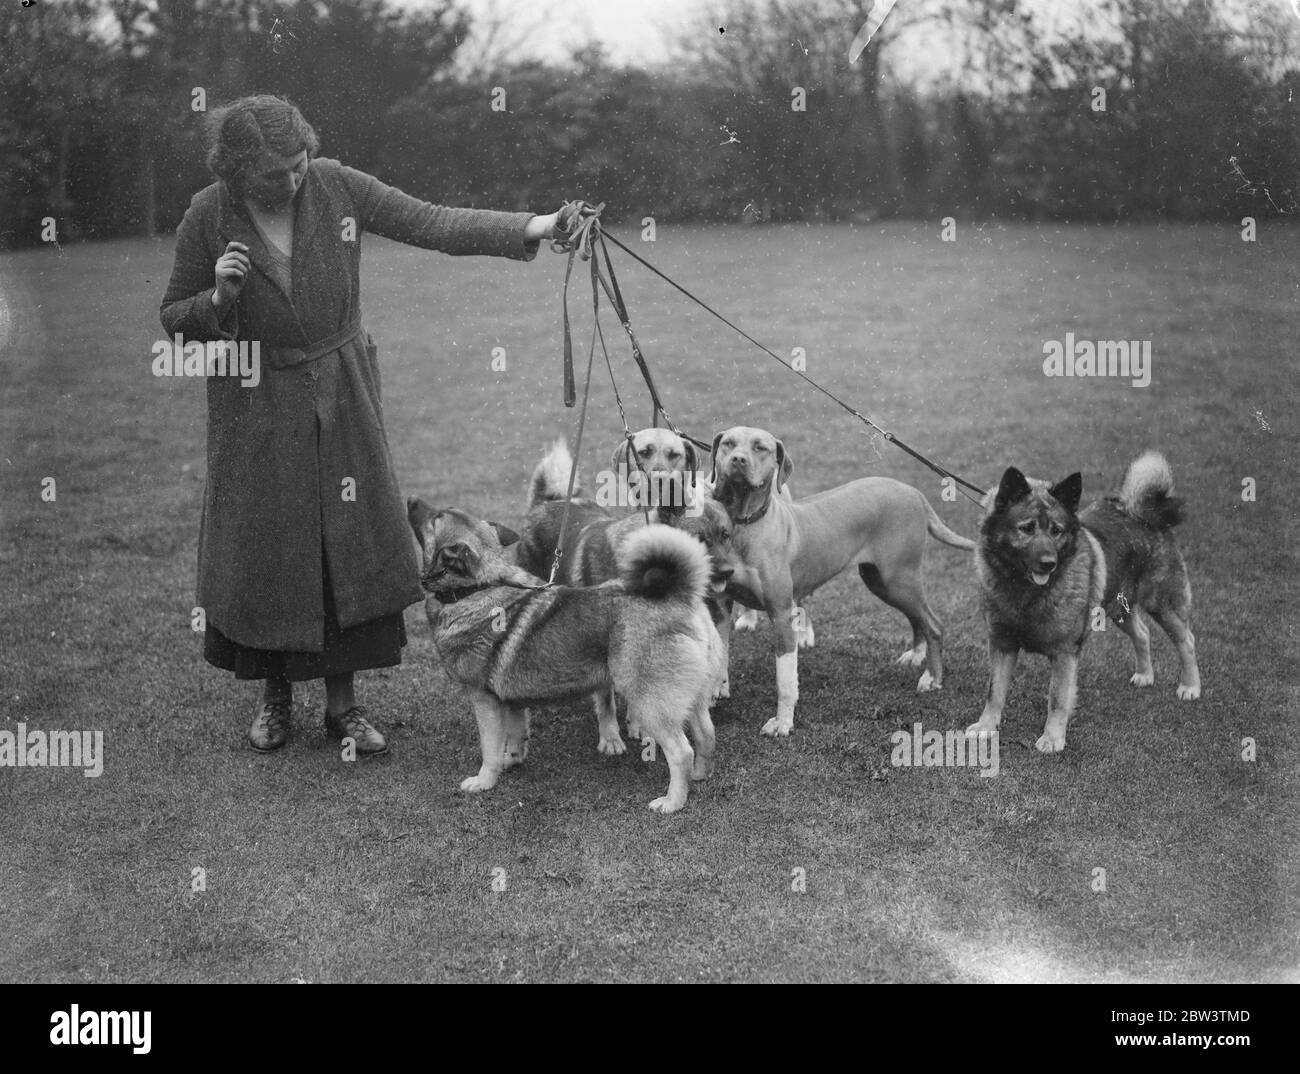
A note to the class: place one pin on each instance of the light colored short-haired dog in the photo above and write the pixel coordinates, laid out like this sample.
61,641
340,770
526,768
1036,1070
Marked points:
786,549
663,472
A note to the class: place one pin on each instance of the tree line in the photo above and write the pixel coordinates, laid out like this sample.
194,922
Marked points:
1180,109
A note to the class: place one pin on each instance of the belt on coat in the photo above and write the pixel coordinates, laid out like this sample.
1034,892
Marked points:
284,357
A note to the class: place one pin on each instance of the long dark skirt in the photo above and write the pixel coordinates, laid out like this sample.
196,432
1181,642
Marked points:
374,644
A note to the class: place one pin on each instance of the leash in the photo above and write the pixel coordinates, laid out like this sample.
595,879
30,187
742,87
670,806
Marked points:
632,455
574,229
962,483
579,233
582,423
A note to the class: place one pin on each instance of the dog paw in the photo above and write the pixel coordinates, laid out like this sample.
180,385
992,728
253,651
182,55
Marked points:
1188,693
927,683
747,620
1142,678
913,657
634,732
666,805
477,784
777,728
515,759
980,729
1050,742
611,747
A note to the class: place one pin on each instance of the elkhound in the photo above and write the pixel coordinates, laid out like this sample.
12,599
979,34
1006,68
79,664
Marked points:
515,642
1045,571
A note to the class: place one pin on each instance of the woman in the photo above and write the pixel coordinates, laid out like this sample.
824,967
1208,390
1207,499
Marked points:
305,554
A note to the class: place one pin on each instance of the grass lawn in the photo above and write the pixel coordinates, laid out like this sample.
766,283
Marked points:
380,870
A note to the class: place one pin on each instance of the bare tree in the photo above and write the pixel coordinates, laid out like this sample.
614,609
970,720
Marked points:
499,33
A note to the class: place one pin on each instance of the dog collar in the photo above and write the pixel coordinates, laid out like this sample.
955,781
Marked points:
756,515
451,596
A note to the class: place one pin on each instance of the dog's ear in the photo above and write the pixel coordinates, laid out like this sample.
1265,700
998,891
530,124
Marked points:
417,513
1013,487
505,534
1068,492
692,460
784,466
623,454
713,461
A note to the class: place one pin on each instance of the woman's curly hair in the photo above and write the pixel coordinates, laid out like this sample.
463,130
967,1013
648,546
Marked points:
239,133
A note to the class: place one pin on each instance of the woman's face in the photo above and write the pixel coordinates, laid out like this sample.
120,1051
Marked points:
274,180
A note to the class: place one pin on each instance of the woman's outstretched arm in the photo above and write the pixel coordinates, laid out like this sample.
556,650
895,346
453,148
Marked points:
385,210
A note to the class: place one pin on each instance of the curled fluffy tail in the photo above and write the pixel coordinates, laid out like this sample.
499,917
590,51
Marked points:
551,477
662,563
1148,492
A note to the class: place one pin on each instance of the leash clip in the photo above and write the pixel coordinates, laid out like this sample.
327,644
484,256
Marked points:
555,563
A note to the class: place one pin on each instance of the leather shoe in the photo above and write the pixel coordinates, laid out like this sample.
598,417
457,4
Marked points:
354,725
270,728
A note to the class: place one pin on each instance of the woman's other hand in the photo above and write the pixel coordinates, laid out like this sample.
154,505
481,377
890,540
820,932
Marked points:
231,269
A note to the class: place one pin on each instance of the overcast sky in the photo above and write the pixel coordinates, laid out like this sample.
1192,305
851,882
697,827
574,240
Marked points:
644,31
640,31
633,31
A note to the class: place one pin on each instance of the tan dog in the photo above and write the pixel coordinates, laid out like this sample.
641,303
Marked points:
659,453
515,642
788,549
